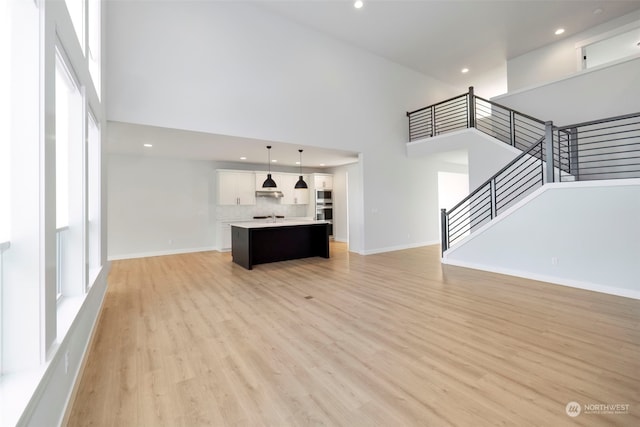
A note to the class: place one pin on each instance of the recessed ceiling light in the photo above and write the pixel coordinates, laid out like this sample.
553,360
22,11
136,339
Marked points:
464,70
358,4
559,31
297,163
321,164
243,158
274,161
148,145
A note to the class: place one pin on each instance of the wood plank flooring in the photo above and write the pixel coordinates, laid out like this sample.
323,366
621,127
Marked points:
393,339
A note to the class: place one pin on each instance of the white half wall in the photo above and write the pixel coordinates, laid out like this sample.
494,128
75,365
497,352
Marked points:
235,69
584,235
596,93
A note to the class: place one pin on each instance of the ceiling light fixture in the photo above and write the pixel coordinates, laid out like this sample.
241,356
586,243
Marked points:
269,182
559,31
464,70
301,183
148,145
358,5
243,158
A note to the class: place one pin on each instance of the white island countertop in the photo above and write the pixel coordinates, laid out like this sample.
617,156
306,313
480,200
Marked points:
279,222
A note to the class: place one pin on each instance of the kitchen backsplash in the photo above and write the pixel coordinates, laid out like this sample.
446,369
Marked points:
264,206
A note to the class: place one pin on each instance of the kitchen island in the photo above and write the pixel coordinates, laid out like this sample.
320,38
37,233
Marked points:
260,242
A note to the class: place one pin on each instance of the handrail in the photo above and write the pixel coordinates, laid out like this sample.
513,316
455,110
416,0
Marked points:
436,104
510,164
600,121
607,148
510,109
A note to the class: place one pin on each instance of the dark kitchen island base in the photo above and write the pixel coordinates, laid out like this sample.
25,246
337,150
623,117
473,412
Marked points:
260,244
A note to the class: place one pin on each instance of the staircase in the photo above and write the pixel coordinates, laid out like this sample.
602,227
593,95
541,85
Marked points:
596,150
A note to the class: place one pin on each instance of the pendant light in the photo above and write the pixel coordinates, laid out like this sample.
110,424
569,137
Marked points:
301,183
269,182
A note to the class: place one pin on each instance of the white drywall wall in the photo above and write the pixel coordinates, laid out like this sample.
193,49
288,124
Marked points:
159,205
486,155
584,234
234,69
597,93
557,60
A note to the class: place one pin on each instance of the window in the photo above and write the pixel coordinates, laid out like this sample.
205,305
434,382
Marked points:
623,42
94,172
70,180
5,115
94,42
76,11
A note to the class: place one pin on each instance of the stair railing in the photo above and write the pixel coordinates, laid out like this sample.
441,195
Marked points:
470,111
600,149
512,183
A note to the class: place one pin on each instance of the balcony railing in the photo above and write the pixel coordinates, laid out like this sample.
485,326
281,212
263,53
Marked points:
470,111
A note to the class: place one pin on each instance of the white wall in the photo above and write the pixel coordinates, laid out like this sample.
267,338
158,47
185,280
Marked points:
159,205
234,69
590,228
556,60
596,93
486,155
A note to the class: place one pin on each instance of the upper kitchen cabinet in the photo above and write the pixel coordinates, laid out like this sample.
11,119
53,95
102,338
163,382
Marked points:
292,195
323,182
286,183
236,188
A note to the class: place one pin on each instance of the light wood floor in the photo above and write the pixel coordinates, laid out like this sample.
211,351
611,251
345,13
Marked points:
392,339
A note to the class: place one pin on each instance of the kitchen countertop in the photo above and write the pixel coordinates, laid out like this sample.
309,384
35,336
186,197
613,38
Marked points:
264,223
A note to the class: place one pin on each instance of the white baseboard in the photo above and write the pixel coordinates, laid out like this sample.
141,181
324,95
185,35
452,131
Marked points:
161,253
398,248
596,287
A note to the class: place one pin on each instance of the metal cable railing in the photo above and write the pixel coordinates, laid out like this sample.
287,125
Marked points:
468,110
601,149
512,183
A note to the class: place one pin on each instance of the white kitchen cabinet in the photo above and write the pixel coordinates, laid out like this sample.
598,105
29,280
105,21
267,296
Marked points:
286,183
323,182
292,195
236,188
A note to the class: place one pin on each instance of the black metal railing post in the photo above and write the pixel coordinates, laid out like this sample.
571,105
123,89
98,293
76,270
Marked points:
433,121
444,225
493,198
548,146
512,127
573,153
472,108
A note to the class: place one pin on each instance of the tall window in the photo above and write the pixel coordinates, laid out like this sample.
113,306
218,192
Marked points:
64,91
76,11
93,199
5,120
94,42
70,180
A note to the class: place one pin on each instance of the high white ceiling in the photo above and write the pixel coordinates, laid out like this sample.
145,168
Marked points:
440,37
434,37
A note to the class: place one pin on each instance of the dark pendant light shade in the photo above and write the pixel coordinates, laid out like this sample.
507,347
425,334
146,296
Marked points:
301,183
269,182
